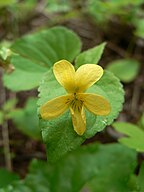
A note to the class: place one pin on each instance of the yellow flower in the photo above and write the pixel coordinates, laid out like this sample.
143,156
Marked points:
75,83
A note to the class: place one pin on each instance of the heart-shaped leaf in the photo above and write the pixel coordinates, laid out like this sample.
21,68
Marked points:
58,134
37,53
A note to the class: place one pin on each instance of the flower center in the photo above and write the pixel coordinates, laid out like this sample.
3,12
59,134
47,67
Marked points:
76,103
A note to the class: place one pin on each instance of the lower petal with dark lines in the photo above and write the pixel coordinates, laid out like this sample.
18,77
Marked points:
79,120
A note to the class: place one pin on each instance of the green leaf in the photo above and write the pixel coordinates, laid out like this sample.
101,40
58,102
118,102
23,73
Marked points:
125,69
58,134
114,176
133,135
26,75
77,168
26,119
7,177
9,105
139,24
141,122
37,53
140,178
48,46
58,6
92,55
4,3
102,11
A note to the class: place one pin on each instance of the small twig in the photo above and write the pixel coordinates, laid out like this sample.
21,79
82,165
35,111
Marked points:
41,6
117,49
5,132
1,143
135,98
7,154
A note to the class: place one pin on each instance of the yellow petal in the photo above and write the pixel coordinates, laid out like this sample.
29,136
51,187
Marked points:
87,75
54,107
65,75
79,121
95,103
